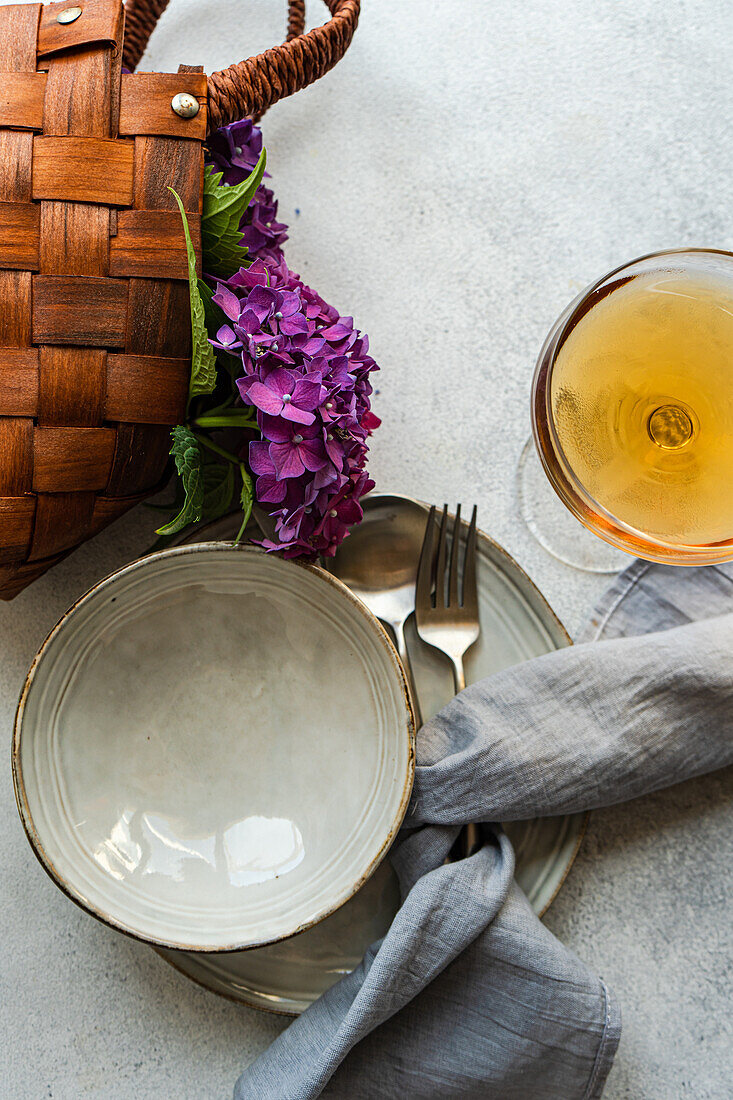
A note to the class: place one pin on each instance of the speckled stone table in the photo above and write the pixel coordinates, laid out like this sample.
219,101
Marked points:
463,172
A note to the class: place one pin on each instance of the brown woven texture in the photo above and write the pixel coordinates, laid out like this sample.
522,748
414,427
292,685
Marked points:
95,332
250,87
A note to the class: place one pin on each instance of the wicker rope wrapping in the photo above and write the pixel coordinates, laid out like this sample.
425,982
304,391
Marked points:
94,326
95,337
141,20
250,87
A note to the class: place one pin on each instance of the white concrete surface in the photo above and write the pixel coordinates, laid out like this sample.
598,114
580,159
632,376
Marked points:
465,170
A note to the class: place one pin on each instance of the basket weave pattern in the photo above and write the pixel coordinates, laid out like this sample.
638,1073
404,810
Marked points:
94,307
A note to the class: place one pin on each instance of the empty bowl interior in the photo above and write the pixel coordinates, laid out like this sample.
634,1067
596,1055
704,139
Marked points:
214,748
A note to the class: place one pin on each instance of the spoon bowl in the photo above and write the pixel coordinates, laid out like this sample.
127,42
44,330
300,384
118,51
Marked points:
378,562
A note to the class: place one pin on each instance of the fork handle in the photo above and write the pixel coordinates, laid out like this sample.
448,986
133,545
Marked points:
459,673
399,632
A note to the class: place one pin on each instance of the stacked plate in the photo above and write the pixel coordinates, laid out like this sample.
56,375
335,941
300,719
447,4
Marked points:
516,623
214,751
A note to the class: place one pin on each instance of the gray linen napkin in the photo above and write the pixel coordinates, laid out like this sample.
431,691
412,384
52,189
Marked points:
468,995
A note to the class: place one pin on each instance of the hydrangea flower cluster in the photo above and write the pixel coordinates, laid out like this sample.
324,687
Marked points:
234,151
307,373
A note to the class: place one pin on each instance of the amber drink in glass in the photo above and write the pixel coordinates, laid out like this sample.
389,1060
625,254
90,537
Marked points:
632,407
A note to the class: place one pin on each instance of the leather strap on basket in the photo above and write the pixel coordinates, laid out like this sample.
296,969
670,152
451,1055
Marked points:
250,87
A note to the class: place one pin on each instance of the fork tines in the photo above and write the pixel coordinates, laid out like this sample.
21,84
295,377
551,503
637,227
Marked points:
438,587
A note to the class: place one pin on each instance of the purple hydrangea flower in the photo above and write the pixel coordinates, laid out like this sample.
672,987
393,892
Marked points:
284,393
234,150
295,450
306,370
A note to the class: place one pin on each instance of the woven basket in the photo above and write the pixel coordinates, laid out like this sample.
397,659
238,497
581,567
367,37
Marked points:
95,338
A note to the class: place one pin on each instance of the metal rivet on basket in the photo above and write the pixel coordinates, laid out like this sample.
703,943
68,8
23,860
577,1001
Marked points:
68,15
185,105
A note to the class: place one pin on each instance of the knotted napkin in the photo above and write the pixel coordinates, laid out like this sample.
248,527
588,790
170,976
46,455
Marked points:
469,995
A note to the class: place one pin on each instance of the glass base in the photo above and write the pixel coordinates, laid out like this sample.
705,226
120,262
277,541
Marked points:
555,528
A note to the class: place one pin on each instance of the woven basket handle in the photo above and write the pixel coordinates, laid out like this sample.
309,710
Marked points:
248,88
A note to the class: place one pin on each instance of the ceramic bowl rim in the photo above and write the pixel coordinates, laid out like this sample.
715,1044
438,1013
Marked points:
21,798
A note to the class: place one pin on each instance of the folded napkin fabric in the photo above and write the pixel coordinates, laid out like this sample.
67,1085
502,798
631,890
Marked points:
469,995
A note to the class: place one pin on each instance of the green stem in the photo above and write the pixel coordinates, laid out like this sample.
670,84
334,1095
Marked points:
226,420
240,532
245,520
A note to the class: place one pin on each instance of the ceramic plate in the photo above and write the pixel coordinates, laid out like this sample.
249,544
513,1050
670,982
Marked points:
214,748
516,623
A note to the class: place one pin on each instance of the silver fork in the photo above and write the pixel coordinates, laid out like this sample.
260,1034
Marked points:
446,618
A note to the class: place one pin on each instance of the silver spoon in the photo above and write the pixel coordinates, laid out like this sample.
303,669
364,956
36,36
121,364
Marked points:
378,562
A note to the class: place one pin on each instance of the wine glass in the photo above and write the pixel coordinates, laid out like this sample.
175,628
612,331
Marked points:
632,410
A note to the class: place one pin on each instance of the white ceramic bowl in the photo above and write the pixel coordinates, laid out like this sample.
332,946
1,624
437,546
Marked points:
214,748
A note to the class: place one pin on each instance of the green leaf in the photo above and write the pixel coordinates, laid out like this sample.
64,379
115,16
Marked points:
246,498
214,315
218,489
224,207
187,455
203,360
